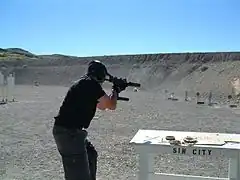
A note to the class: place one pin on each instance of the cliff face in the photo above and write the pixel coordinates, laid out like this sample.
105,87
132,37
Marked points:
176,72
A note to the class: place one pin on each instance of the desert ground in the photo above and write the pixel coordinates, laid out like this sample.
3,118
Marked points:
28,151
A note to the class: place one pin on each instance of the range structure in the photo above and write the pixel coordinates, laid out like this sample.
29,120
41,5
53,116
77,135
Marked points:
149,143
7,85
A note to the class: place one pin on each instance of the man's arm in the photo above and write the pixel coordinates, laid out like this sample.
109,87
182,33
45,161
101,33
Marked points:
108,101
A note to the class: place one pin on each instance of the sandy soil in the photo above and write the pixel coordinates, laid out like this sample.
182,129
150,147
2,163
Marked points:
28,151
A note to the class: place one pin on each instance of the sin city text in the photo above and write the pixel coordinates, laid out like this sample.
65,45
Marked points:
179,150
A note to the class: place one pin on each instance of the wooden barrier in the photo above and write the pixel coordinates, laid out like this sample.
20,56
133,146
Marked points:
2,87
149,143
7,85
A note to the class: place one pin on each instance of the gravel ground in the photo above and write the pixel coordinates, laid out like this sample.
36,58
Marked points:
29,153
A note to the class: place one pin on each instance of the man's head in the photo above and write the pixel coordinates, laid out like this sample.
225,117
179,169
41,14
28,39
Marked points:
97,70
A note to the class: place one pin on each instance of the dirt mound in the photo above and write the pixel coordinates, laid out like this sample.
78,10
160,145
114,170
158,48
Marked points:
176,72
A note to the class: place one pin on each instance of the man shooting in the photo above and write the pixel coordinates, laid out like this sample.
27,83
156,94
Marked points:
79,157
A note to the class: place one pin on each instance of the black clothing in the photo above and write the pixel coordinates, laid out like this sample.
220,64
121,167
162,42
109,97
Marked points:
79,157
79,105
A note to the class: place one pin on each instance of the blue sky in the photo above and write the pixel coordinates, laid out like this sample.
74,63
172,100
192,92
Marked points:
110,27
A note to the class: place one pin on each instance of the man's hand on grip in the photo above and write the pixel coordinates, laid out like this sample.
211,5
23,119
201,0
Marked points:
119,84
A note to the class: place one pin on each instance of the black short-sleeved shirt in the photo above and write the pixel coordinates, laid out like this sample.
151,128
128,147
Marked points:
79,105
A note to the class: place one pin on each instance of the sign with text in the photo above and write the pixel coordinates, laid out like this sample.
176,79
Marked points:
192,151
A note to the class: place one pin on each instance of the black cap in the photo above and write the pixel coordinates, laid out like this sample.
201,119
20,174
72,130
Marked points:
97,70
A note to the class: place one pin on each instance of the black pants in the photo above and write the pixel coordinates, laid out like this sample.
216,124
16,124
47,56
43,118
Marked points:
79,156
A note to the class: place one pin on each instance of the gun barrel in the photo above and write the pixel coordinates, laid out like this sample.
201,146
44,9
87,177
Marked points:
123,98
134,84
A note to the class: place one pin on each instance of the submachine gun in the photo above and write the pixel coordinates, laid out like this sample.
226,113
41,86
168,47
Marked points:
128,84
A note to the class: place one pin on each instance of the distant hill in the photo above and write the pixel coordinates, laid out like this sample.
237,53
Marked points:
176,72
15,54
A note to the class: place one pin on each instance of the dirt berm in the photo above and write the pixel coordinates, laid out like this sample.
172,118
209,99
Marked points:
175,72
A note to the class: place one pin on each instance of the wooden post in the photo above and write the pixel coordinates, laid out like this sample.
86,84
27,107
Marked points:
10,87
186,96
210,98
2,86
198,97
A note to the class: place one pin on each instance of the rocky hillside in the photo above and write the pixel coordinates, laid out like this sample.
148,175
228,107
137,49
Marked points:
176,72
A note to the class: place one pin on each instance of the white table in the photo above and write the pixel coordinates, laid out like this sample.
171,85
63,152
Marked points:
148,143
